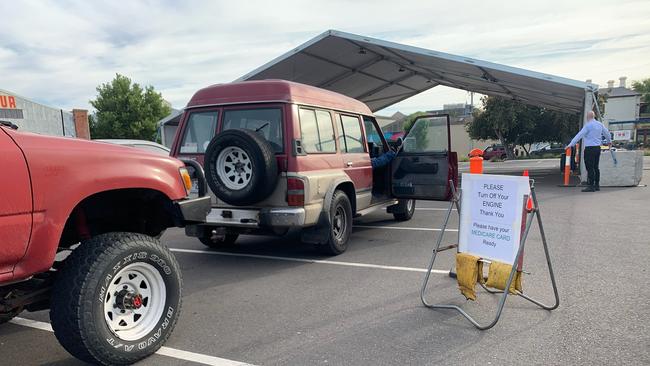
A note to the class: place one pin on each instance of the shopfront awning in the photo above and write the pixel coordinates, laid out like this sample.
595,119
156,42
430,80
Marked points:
382,73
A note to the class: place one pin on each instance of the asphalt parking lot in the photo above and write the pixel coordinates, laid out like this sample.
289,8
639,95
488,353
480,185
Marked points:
272,301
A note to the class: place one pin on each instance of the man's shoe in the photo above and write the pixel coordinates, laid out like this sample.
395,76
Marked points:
589,189
597,188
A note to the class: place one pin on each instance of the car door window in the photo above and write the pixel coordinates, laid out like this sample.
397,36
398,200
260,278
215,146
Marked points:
424,167
317,131
351,137
372,134
326,131
199,130
427,135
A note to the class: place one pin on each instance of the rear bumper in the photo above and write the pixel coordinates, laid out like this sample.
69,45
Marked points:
194,210
253,218
282,217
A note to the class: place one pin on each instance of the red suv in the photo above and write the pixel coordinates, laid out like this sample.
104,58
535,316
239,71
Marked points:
79,223
279,155
495,151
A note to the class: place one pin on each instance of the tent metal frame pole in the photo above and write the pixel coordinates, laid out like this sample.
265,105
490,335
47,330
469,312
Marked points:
532,214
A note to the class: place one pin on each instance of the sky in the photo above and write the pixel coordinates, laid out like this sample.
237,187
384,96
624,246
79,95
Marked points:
58,52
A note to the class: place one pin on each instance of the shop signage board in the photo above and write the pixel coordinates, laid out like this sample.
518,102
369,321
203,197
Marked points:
622,135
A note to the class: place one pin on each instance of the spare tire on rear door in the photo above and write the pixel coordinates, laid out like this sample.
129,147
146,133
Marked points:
240,167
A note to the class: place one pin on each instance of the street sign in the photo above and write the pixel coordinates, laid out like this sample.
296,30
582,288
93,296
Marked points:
491,215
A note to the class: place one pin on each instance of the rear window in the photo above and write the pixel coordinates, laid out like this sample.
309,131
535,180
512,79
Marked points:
317,131
265,121
351,136
199,130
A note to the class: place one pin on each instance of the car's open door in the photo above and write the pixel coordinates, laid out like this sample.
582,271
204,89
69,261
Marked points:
425,164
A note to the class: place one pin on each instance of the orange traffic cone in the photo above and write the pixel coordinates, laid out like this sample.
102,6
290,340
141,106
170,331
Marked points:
529,204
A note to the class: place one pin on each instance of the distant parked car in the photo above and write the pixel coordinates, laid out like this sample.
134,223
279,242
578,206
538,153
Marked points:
140,144
548,150
495,151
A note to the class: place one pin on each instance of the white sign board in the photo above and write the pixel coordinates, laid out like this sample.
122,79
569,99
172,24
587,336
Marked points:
622,135
491,213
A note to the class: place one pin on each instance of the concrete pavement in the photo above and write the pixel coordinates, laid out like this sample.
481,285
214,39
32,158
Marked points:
254,304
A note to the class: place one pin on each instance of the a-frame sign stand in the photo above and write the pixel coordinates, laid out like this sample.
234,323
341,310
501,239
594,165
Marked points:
531,214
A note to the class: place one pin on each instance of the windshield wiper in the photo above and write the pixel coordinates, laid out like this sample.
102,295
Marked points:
261,127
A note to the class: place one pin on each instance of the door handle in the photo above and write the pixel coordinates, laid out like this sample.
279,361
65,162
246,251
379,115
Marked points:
349,164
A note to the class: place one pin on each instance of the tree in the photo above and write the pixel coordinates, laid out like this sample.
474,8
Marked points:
643,87
408,121
502,119
126,111
420,133
515,123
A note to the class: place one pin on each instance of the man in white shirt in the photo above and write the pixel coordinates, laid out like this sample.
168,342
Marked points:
592,133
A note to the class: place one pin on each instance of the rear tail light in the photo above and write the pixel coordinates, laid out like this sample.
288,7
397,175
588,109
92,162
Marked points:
295,192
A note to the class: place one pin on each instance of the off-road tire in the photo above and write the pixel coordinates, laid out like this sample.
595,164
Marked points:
78,297
264,168
337,244
217,241
404,211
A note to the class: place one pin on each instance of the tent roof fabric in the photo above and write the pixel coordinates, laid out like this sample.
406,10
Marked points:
381,73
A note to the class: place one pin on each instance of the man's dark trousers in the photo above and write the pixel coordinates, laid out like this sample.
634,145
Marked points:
592,159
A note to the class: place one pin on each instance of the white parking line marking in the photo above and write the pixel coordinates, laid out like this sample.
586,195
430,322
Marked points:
32,324
163,351
402,228
433,209
198,358
306,260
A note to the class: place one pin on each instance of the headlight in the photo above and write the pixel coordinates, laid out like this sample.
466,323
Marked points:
187,180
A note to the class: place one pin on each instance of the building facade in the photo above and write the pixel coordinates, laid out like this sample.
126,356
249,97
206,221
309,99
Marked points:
622,114
35,117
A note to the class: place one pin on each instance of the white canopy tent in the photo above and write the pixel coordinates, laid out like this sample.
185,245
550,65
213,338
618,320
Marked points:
382,73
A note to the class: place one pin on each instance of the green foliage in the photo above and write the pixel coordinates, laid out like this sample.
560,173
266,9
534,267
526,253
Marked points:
420,133
643,87
515,123
126,111
408,121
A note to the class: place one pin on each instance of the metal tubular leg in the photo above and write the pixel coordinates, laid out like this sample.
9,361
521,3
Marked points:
502,301
548,259
435,250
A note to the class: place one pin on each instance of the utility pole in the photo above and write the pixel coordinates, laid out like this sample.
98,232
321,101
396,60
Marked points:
471,102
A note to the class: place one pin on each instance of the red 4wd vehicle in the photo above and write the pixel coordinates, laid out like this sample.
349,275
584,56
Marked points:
114,298
495,151
278,154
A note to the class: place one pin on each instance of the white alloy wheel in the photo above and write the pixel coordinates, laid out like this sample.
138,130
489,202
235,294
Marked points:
234,167
409,205
135,301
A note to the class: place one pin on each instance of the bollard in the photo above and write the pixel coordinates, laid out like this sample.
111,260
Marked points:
567,167
476,161
529,204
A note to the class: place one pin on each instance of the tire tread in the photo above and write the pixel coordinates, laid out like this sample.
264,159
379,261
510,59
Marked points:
80,269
